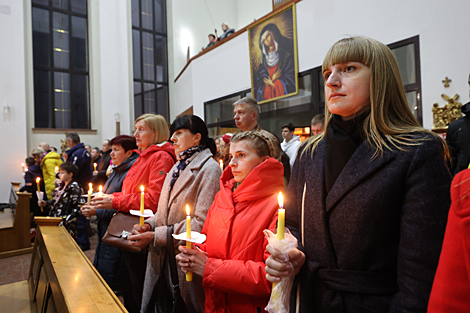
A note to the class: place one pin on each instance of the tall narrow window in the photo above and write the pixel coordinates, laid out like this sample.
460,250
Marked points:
149,45
60,61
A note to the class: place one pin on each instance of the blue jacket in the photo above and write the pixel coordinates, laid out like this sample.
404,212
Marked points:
107,258
82,159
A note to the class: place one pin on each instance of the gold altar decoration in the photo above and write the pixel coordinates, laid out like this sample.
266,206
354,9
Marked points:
446,82
443,116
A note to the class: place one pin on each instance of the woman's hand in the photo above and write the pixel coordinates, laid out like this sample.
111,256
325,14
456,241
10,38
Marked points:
192,260
277,267
42,203
138,230
88,211
141,240
103,202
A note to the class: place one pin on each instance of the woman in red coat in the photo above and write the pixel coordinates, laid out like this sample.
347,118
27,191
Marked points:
232,264
156,158
451,287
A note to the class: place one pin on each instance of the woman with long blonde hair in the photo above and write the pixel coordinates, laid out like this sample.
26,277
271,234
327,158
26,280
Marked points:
368,199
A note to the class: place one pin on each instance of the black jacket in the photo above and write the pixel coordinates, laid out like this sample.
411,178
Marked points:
102,167
79,156
372,243
458,140
107,258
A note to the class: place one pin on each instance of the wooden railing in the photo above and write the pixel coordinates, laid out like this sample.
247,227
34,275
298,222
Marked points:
17,238
62,279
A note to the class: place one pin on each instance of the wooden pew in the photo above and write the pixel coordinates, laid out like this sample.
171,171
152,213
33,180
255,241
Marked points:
16,239
62,279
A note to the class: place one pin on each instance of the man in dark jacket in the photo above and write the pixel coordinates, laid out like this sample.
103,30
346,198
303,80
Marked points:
458,140
99,176
80,157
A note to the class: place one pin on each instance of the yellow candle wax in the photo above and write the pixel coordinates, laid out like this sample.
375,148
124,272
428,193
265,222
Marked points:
281,216
89,196
141,221
189,275
94,166
37,183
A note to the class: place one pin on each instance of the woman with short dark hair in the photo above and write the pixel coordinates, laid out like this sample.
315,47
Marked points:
108,258
193,180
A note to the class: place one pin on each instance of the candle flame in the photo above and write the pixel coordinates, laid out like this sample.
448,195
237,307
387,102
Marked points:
90,185
187,210
221,163
56,168
22,164
94,164
100,188
280,199
142,188
38,179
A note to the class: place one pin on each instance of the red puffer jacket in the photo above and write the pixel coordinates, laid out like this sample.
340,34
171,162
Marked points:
451,287
234,277
149,170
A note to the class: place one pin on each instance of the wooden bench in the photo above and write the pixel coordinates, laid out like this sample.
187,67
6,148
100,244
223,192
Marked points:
16,239
62,279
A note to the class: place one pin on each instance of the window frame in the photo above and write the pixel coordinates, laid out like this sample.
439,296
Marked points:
52,70
141,80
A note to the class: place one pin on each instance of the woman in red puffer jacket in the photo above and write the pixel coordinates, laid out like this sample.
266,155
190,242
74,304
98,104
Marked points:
231,261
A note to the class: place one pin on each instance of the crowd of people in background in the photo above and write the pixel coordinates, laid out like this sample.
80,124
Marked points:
367,198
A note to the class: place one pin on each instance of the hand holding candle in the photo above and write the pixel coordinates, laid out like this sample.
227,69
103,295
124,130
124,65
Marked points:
141,221
189,275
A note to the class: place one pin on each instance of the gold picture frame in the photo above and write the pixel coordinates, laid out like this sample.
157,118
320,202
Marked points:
273,56
280,3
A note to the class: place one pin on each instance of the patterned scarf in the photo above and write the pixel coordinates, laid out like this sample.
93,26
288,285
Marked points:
184,158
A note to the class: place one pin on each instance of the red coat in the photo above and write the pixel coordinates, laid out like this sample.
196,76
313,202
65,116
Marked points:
149,170
451,287
234,277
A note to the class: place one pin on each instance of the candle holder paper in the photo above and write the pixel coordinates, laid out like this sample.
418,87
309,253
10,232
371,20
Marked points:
147,213
40,195
279,301
195,237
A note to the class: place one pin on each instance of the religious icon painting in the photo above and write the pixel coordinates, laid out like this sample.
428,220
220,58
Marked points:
273,56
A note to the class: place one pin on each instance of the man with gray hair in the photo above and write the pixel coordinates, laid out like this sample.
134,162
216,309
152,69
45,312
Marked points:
45,146
246,113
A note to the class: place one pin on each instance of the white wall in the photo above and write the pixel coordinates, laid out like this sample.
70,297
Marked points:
442,27
250,10
192,21
12,94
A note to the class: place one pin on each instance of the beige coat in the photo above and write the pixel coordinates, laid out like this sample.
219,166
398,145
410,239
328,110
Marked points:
196,186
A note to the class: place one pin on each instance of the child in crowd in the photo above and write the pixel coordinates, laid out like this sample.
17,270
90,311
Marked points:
232,260
65,199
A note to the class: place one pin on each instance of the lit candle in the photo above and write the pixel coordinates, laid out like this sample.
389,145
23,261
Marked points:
281,217
22,165
37,183
221,163
94,166
189,275
141,222
100,191
90,191
56,169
